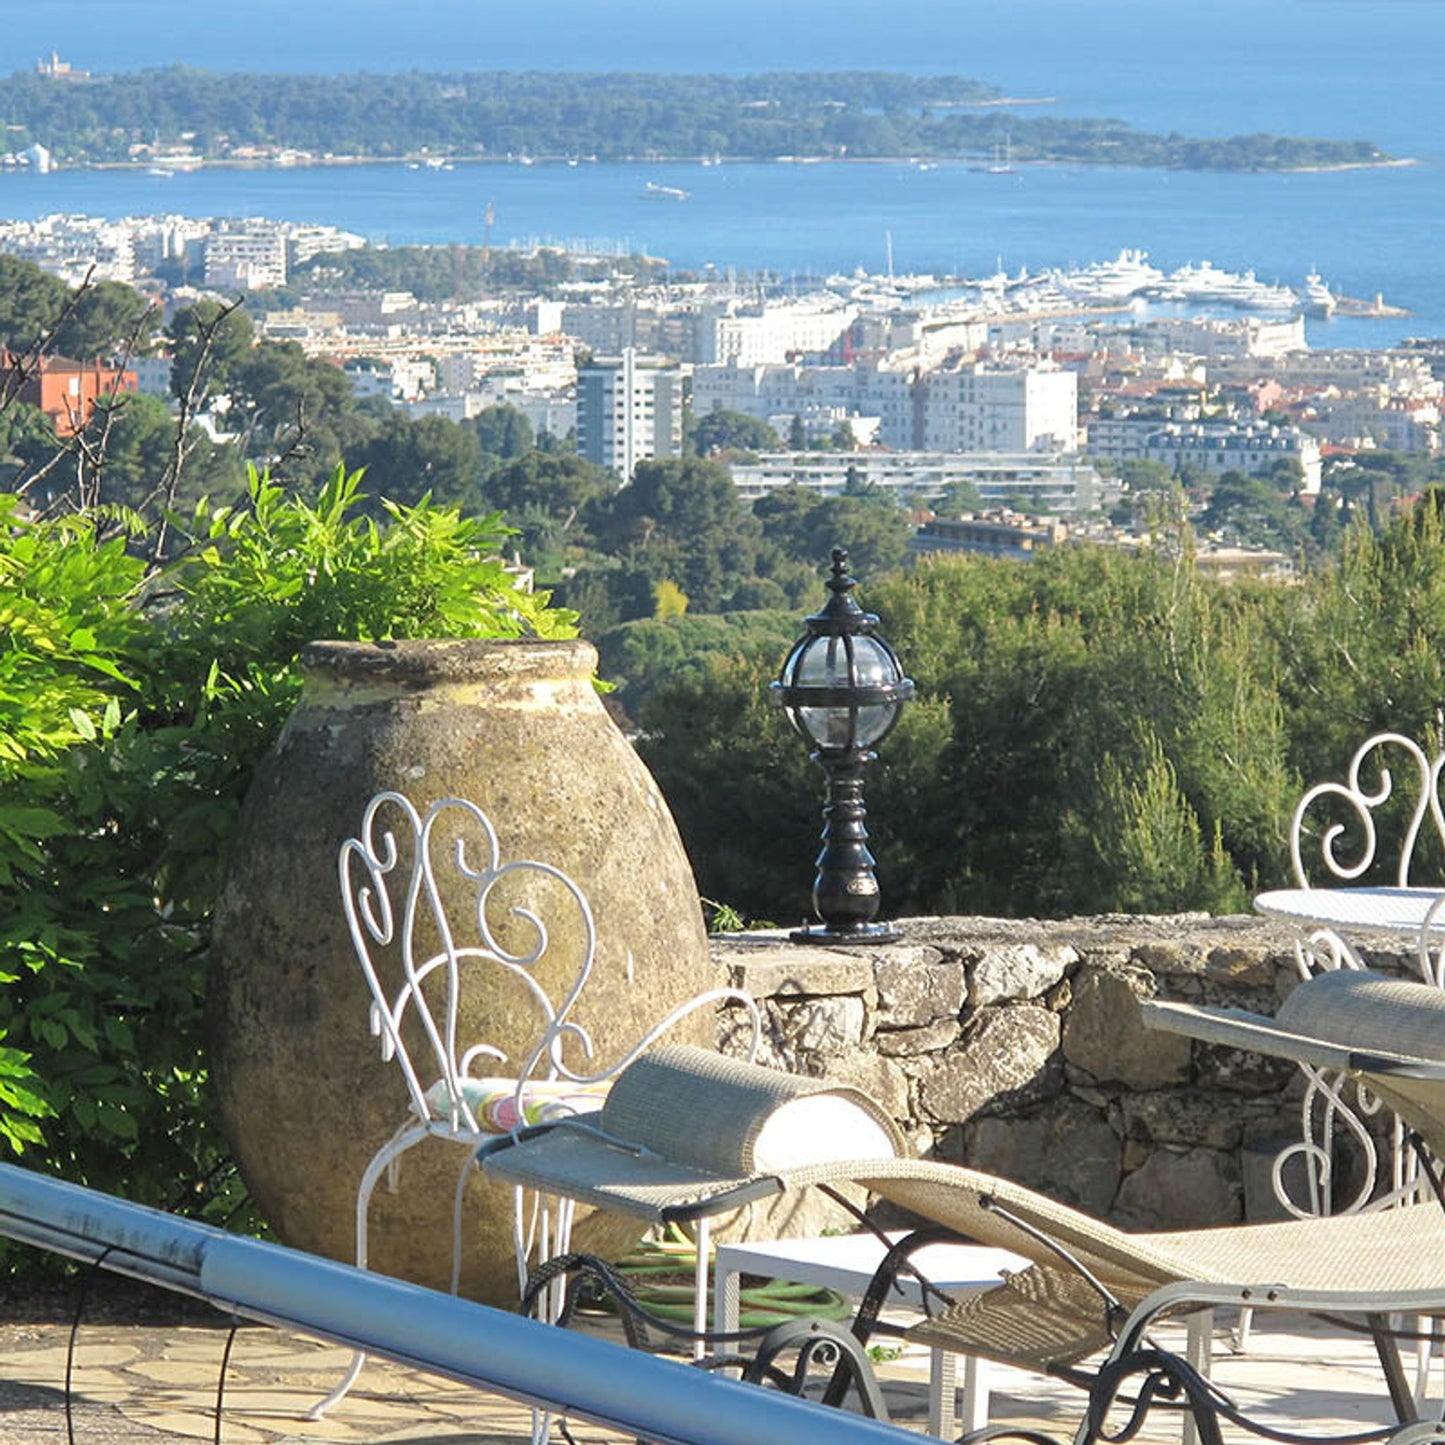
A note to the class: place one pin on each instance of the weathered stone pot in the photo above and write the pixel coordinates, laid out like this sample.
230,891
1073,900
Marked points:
303,1092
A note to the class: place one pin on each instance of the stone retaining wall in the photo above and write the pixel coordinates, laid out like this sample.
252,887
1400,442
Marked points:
1016,1046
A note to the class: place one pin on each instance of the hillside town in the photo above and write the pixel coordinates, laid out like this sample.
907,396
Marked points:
1032,393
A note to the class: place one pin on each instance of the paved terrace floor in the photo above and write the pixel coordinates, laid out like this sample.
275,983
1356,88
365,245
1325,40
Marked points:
146,1368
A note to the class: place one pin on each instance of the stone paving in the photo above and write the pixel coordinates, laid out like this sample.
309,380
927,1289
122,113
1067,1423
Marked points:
154,1380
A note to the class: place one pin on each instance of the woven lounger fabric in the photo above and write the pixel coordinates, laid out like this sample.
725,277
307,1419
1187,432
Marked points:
680,1125
1047,1314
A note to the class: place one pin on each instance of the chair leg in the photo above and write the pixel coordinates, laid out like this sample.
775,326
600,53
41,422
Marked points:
1402,1397
462,1178
699,1286
382,1160
318,1410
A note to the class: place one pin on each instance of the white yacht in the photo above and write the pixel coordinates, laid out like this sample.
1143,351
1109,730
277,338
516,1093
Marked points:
1127,275
1319,300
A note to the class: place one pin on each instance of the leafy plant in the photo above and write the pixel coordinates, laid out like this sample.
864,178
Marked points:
131,716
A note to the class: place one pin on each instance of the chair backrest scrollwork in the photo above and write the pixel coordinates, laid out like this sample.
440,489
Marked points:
427,897
1348,823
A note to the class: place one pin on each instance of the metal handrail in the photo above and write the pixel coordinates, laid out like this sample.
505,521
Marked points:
520,1359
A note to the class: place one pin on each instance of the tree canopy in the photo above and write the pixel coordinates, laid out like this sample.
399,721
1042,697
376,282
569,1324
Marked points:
608,116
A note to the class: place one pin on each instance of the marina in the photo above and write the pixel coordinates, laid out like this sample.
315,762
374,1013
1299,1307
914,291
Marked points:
794,226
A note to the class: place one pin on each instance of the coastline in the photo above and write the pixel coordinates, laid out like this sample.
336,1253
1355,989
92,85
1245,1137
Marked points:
429,160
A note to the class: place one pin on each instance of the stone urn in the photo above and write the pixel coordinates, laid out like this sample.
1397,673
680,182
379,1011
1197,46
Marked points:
304,1094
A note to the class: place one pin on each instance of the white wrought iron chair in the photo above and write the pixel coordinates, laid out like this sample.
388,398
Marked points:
415,953
1337,837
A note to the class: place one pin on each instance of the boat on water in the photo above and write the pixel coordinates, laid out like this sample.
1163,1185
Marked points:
1128,275
1206,283
665,193
1319,300
164,171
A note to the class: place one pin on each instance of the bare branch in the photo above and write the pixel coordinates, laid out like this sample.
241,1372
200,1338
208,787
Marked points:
191,399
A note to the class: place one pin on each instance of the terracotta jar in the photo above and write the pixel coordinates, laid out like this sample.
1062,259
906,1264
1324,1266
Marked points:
304,1095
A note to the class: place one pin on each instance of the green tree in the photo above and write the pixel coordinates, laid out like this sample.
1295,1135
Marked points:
957,498
430,456
680,518
32,302
1253,510
733,431
107,319
806,527
207,341
503,431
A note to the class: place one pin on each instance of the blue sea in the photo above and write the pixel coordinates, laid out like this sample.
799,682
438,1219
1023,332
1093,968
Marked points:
1339,68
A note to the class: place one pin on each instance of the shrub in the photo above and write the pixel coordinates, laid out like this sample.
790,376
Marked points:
134,712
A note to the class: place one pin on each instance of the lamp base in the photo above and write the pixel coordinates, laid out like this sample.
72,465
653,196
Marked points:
868,933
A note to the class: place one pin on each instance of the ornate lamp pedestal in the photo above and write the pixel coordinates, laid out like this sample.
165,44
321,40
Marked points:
843,690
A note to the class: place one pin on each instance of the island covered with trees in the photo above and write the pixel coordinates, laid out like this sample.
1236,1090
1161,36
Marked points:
498,115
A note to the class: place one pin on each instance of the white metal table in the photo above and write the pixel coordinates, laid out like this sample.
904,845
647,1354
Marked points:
1413,914
847,1263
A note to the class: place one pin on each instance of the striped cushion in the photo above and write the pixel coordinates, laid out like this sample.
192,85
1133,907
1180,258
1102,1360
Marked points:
493,1101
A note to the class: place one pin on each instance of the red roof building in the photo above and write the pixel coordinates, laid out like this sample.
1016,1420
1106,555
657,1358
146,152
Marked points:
66,391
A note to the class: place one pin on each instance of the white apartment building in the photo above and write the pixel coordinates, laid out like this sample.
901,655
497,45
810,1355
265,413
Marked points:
986,407
628,409
1392,422
1216,446
772,332
1064,484
969,408
245,260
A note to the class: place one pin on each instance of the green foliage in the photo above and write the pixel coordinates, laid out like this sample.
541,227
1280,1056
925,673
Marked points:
806,527
637,656
680,520
131,717
1145,834
32,302
733,431
612,116
991,795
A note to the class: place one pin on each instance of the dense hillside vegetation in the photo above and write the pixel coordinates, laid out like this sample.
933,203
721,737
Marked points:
855,114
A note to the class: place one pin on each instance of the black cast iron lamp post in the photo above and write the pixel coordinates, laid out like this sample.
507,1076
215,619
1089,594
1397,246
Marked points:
843,689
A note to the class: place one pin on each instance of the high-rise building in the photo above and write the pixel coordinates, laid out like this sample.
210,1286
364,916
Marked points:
987,407
629,408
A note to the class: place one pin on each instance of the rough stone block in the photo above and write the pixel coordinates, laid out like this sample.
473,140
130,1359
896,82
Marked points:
881,1079
1006,1058
1066,1150
826,1025
1019,971
1237,1072
1241,964
1172,956
1175,1117
1105,1035
909,1043
799,971
1179,1191
917,988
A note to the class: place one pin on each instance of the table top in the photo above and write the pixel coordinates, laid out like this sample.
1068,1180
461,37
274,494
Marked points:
846,1262
1395,911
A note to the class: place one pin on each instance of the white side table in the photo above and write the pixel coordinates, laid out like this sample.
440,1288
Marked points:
847,1263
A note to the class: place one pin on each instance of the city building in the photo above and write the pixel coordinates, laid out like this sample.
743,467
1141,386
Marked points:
982,406
1062,485
66,391
1249,447
628,409
991,534
245,260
